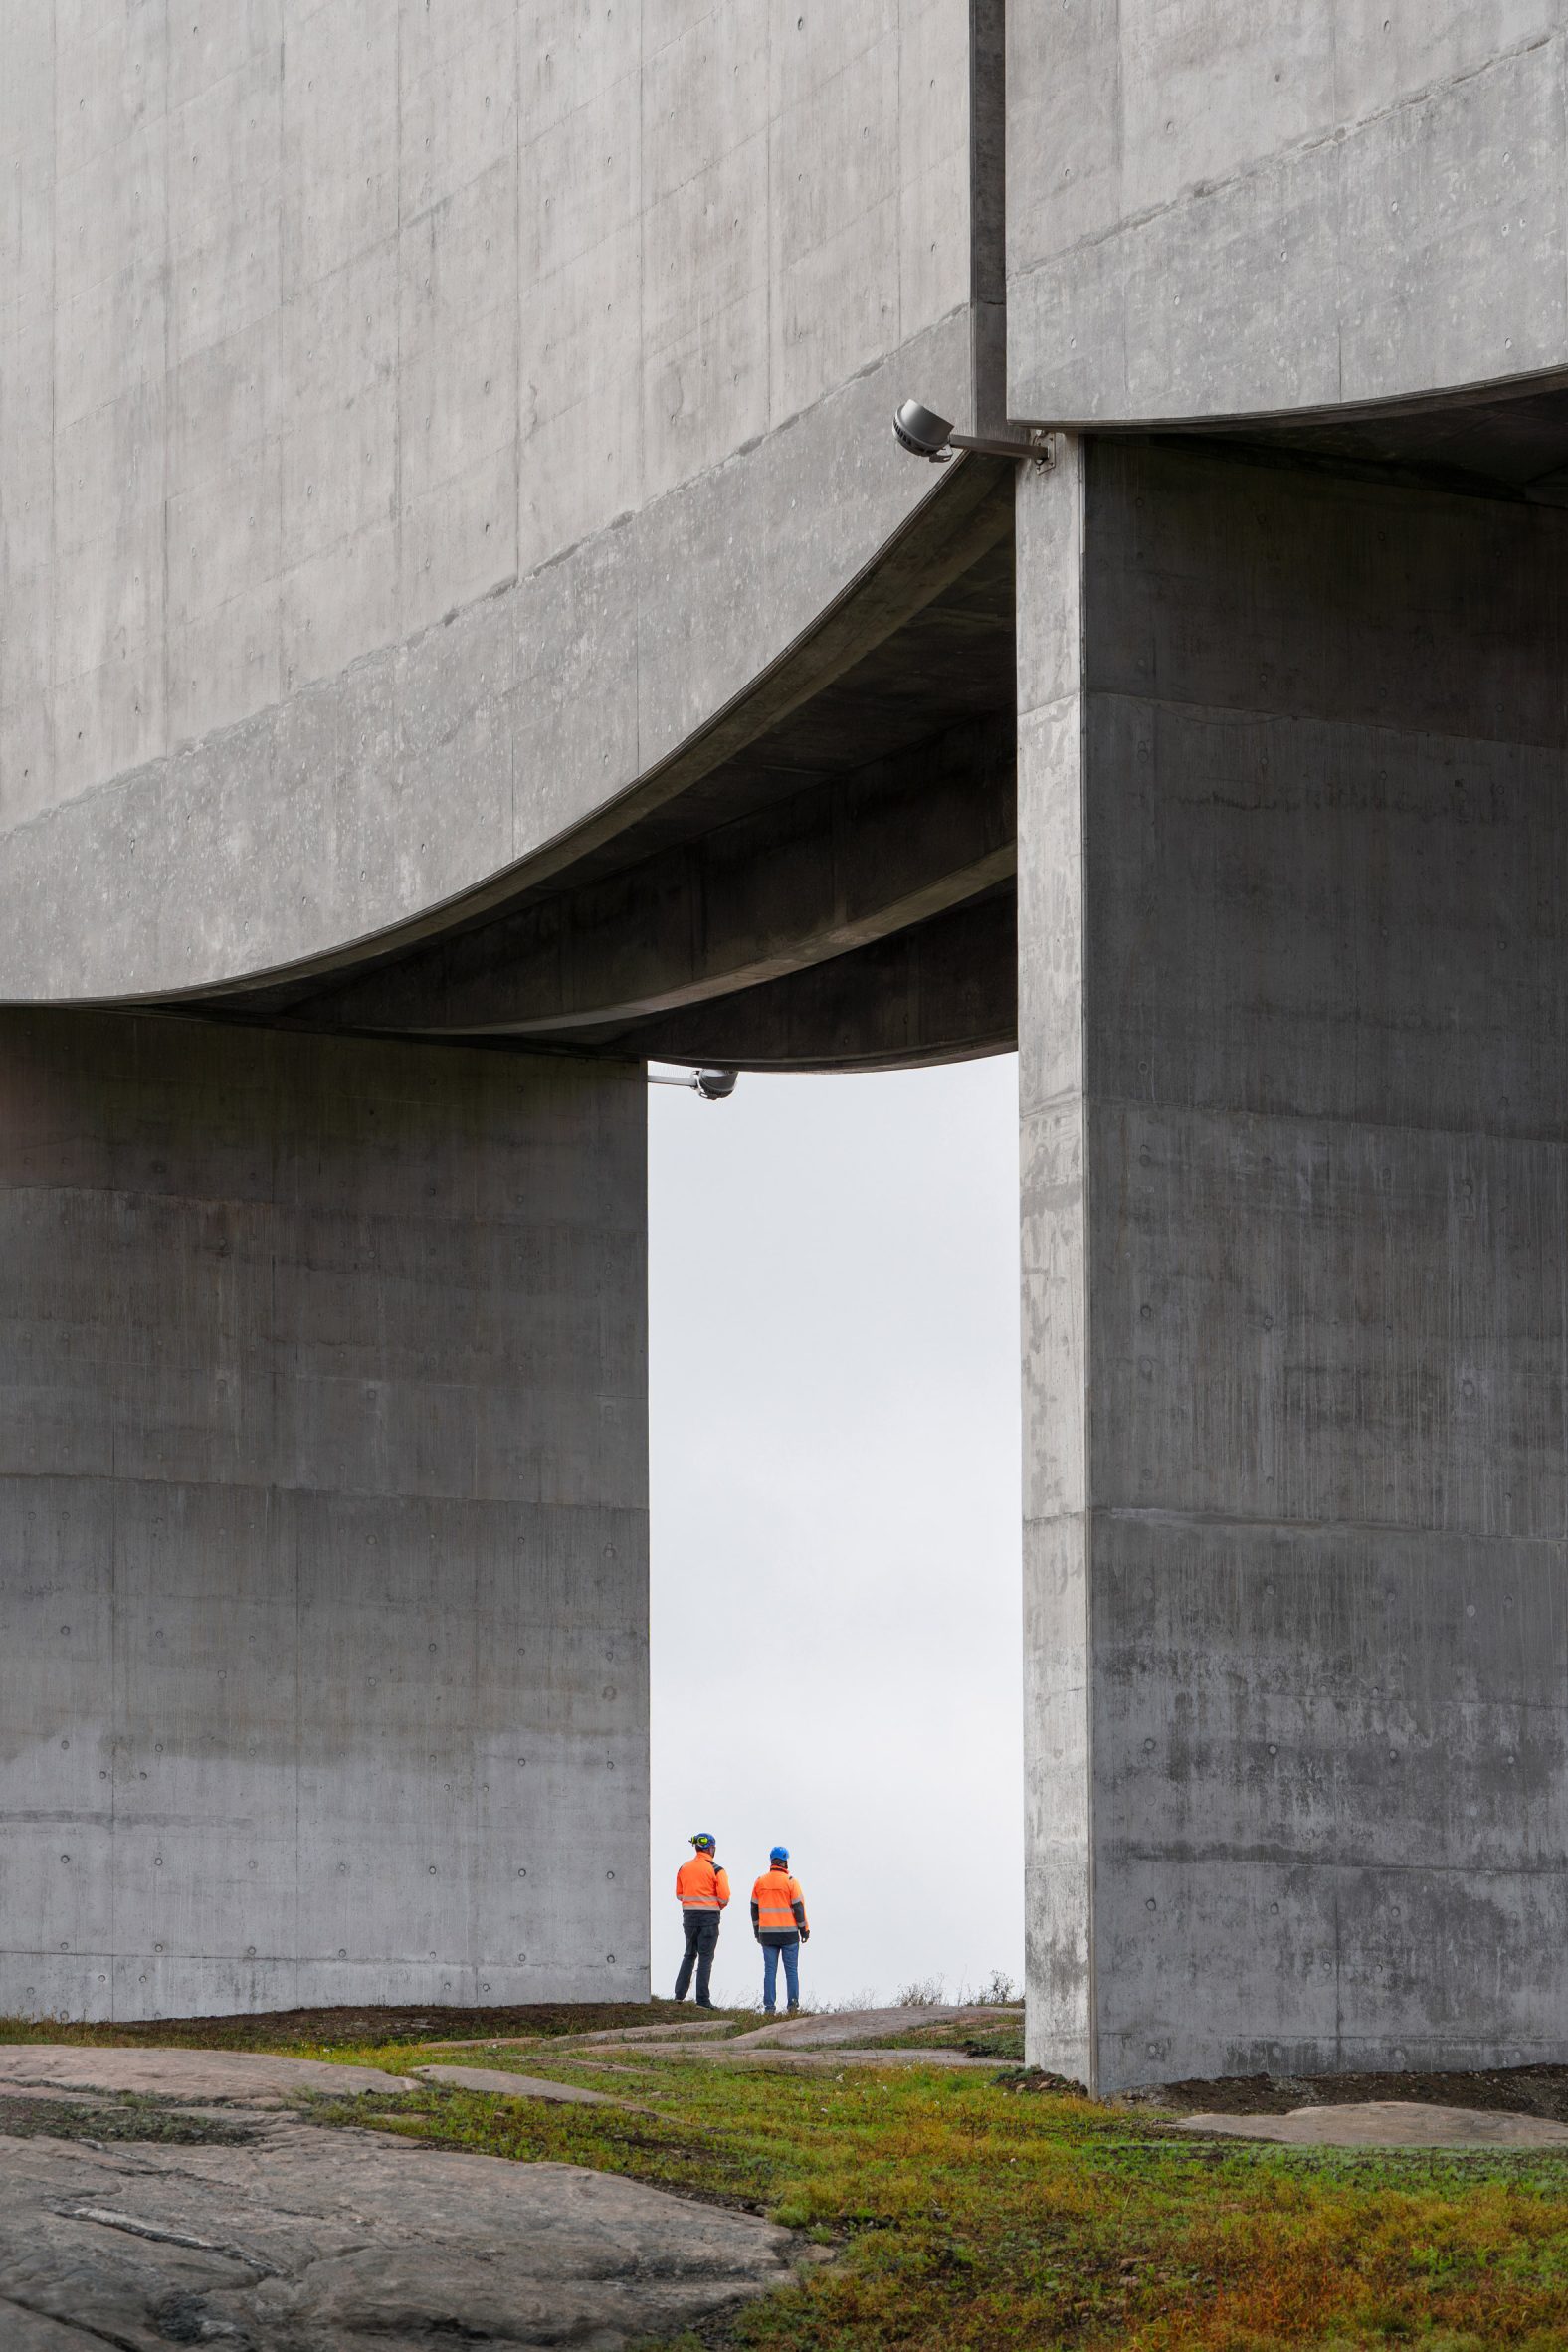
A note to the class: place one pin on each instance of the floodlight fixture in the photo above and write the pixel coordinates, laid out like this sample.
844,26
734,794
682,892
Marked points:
714,1086
924,433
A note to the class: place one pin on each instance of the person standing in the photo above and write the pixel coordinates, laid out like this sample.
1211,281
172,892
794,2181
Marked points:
702,1891
778,1921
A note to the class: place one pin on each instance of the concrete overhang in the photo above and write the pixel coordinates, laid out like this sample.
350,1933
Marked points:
1494,439
789,880
822,877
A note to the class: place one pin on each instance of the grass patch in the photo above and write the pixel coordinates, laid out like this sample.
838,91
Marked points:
970,2220
967,2218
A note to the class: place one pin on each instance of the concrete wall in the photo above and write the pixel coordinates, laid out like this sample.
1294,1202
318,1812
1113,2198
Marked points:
1293,1010
393,401
1233,206
322,1522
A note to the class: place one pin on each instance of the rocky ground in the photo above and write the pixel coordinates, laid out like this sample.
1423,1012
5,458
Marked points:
1386,2123
156,2197
1498,2108
1516,2090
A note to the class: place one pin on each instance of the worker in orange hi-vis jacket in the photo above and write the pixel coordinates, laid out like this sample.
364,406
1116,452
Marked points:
702,1891
778,1921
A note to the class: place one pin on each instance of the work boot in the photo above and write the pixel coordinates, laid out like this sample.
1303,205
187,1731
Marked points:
701,2004
793,2008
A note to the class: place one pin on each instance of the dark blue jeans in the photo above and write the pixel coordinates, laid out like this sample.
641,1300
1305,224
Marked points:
701,1942
787,1949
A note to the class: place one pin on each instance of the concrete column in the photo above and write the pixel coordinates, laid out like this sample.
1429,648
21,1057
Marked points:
323,1521
1293,1010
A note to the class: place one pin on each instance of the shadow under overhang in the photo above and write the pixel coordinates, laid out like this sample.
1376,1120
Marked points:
824,878
797,894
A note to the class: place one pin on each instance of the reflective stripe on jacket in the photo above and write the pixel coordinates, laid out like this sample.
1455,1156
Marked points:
700,1886
777,1903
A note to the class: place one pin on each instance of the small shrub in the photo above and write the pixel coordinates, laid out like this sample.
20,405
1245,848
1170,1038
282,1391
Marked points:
998,1992
927,1992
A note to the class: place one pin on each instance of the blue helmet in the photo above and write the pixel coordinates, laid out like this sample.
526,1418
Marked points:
779,1854
702,1841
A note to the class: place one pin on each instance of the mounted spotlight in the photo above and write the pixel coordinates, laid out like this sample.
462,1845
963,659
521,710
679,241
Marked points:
924,433
714,1086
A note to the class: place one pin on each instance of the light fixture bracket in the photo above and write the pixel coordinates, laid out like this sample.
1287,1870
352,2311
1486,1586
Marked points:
1039,447
925,434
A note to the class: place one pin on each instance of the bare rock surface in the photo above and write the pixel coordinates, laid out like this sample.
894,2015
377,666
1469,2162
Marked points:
301,2238
1533,2089
841,2037
566,2042
248,2077
522,2086
1389,2124
832,2027
707,2024
822,2061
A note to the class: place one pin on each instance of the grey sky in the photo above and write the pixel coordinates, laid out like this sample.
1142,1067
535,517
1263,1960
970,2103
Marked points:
834,1407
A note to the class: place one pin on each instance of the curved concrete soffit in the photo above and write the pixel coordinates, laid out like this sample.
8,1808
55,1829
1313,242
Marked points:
956,520
830,869
944,991
1412,406
136,888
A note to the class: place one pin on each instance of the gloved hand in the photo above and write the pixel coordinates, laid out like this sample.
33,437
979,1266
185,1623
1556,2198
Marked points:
756,1936
805,1935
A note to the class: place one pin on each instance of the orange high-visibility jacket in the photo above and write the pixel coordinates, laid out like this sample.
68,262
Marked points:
700,1886
777,1905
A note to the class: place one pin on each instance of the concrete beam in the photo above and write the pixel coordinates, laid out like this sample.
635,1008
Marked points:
806,879
943,992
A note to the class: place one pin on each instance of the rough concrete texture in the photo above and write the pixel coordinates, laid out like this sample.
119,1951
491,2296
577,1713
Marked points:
1388,2123
322,1522
310,2240
1240,209
1293,921
394,400
244,2077
436,442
